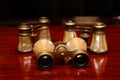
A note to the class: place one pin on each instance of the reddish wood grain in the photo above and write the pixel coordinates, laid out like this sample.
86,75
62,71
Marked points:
16,66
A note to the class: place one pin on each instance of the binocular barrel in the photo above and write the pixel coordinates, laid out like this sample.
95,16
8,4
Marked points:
79,56
43,49
80,59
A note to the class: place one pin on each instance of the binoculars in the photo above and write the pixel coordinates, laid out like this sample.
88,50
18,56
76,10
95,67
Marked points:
71,45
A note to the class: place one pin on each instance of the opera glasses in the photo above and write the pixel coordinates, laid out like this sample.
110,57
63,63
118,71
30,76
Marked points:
72,47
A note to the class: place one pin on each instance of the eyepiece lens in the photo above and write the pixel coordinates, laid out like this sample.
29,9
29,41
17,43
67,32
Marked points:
45,62
80,60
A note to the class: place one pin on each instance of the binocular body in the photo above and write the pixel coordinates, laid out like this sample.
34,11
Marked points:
79,55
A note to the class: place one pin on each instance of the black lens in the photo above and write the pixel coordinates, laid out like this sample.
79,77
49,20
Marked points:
80,60
45,62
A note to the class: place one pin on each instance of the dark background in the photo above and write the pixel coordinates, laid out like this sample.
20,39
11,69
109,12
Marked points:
12,9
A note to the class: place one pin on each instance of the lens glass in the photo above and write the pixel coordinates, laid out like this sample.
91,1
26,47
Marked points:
80,60
45,62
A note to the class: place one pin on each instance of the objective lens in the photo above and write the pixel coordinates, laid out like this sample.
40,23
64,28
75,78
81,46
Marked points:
80,60
45,62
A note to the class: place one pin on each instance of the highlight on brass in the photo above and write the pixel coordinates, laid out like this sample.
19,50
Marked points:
25,43
79,56
99,44
43,20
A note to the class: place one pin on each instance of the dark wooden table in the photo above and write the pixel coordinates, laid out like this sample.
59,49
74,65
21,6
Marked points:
16,66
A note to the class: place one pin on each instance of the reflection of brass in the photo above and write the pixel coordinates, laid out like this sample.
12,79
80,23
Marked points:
25,62
43,49
99,64
79,56
99,44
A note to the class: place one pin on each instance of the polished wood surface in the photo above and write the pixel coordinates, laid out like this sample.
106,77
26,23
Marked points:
16,66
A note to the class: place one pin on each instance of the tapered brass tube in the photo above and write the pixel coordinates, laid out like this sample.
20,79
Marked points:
99,44
44,32
69,31
25,42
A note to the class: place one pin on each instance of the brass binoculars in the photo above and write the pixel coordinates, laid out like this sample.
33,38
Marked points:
73,47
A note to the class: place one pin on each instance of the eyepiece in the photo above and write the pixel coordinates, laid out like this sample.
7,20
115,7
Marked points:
80,60
45,62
